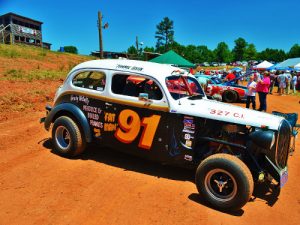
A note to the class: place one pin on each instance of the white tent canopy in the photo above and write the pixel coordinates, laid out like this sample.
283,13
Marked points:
297,65
263,65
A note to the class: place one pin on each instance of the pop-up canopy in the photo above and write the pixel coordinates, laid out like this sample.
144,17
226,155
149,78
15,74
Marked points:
172,58
263,65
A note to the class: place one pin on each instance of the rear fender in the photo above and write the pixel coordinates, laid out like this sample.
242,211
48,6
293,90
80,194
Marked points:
69,109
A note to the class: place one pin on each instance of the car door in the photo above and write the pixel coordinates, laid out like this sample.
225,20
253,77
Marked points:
136,116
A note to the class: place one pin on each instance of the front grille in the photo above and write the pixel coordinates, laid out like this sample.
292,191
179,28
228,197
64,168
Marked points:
283,144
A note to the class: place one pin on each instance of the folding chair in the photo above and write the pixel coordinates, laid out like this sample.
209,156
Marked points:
292,119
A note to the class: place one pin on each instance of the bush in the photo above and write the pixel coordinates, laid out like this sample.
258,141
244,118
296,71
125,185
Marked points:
71,49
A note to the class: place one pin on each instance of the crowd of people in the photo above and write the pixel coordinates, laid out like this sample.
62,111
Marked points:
263,84
260,83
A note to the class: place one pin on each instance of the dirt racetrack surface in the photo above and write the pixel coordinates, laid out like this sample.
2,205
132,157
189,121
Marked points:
106,187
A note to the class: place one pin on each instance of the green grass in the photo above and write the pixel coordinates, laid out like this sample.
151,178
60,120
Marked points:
22,51
30,52
34,75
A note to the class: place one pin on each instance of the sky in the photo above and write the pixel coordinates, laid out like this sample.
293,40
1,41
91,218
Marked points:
266,24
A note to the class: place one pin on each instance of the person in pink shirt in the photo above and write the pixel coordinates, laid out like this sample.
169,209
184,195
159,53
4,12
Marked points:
262,88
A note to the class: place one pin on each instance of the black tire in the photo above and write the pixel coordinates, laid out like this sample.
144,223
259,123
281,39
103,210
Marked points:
67,138
218,168
230,96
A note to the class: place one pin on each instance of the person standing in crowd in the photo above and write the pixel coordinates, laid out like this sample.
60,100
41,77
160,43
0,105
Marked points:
262,88
230,76
288,82
272,79
294,83
251,92
282,82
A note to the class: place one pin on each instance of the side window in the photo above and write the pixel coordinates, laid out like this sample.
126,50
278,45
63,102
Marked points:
131,85
94,80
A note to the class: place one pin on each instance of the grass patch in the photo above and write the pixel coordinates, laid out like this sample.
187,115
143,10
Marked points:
45,75
34,75
11,101
14,74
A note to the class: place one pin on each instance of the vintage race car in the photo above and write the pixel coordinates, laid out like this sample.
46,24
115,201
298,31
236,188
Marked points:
160,112
229,92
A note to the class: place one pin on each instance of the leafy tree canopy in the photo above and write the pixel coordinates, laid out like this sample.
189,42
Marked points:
239,49
294,51
71,49
164,34
222,53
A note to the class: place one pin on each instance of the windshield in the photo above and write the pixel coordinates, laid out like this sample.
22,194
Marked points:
182,86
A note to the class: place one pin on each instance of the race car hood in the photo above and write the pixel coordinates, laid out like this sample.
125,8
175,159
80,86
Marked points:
211,109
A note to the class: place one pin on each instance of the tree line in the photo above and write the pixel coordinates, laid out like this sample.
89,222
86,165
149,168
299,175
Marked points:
242,51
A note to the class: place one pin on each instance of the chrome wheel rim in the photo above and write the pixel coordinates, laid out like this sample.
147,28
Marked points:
62,138
220,185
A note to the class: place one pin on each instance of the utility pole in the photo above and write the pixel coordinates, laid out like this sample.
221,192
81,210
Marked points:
137,44
100,34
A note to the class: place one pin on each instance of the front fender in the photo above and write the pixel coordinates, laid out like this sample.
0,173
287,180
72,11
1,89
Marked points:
69,108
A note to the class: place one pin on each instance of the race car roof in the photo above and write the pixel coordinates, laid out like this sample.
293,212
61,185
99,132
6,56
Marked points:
156,70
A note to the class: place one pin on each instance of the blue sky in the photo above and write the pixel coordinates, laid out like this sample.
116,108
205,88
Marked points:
269,23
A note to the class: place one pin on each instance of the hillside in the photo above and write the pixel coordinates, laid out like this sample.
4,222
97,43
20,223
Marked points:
29,77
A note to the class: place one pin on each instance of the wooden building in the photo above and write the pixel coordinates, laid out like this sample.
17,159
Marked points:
19,29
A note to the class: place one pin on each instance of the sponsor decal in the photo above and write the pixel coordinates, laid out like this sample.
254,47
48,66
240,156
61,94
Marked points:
187,136
188,125
188,143
188,157
126,67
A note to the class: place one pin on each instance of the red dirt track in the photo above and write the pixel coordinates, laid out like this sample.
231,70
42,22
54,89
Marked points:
106,187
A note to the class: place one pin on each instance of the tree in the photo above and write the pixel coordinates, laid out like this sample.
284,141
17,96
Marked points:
222,53
274,55
178,48
190,53
294,51
239,49
149,49
132,50
71,49
250,53
164,34
205,55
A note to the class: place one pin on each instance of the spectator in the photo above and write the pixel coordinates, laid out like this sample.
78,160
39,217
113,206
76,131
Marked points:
288,82
262,89
282,82
251,92
294,83
272,79
230,76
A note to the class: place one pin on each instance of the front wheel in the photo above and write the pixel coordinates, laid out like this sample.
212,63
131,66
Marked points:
67,137
224,181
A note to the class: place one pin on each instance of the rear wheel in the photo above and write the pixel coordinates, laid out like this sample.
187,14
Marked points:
230,96
224,181
67,138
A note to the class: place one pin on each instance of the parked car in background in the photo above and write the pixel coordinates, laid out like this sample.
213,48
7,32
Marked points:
215,87
204,64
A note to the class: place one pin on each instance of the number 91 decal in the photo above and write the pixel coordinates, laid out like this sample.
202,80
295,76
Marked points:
130,125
